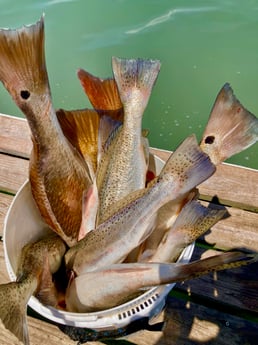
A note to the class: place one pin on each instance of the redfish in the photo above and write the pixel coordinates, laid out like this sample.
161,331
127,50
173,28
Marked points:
122,168
38,261
116,284
135,216
102,93
58,172
231,128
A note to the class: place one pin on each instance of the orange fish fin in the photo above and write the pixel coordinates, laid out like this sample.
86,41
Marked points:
230,129
22,64
102,93
81,129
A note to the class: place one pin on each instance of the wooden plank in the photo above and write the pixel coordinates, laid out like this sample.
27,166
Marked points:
239,230
188,323
235,288
5,202
14,136
233,185
13,172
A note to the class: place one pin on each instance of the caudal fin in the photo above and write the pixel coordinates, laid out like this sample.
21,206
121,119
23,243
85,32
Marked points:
181,272
102,93
81,127
135,79
231,128
13,308
22,64
188,166
193,221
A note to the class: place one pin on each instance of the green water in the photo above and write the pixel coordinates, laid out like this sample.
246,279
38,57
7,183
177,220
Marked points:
202,44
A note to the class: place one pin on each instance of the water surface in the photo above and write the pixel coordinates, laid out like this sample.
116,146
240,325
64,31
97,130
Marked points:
201,44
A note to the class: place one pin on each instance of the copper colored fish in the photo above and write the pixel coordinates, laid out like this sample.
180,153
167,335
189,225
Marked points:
230,129
102,93
58,172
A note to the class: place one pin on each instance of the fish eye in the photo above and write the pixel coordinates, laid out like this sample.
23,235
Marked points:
209,140
25,94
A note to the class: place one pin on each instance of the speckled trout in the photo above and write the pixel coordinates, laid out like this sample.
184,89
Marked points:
133,222
37,263
122,168
116,284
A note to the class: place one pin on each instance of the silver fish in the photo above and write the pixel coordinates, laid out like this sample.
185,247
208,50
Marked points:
123,167
193,221
116,284
112,240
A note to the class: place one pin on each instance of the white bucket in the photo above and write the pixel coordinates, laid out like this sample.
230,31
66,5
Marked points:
23,224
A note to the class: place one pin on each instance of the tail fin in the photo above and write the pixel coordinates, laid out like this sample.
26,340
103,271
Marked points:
188,165
81,128
13,308
135,79
102,93
193,221
181,272
22,63
231,128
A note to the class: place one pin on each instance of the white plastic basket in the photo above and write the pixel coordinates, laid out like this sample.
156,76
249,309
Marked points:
23,224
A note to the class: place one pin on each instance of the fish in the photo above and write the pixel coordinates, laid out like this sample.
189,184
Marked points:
122,168
38,261
119,283
192,222
111,241
102,93
81,127
166,216
58,173
230,129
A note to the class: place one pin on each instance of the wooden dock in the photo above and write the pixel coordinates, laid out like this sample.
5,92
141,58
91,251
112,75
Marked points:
220,308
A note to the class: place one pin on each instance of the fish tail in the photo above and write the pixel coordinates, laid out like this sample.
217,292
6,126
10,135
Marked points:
187,167
231,128
102,93
229,260
135,79
81,128
195,219
22,63
13,308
